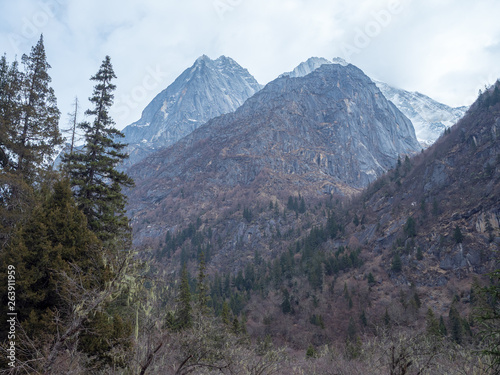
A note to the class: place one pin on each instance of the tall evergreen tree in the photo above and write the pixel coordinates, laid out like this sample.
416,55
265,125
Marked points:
184,318
37,132
457,235
10,85
55,240
96,181
225,314
202,287
455,322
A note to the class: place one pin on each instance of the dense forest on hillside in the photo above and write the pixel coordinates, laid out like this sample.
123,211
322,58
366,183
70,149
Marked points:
79,298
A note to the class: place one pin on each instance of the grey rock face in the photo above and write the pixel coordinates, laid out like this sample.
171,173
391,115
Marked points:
207,89
429,117
332,128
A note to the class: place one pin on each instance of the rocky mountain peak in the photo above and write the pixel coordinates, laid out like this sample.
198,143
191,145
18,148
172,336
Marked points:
306,67
429,117
207,89
331,131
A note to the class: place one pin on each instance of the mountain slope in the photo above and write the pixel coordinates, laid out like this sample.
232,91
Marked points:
429,117
329,132
207,89
454,184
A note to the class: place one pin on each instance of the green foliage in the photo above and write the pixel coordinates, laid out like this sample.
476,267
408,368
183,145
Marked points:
317,320
387,318
235,328
104,335
95,180
202,297
355,220
286,306
396,264
29,116
432,324
225,314
410,227
363,319
184,317
371,279
457,235
247,214
351,330
416,299
311,352
455,323
53,245
442,327
296,204
420,255
487,314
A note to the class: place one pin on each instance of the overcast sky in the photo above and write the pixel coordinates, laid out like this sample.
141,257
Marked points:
447,49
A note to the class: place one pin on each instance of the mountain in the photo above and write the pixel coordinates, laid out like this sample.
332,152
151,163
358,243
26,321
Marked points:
207,89
331,131
444,203
310,65
429,117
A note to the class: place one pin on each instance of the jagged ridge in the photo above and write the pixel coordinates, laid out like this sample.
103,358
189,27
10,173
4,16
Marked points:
207,89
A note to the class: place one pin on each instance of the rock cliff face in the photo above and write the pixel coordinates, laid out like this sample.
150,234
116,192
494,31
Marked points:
207,89
429,117
331,131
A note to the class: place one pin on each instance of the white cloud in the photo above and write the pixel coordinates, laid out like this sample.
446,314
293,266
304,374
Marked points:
446,49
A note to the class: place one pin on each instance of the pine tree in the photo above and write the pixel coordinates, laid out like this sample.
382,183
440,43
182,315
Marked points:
311,352
442,327
37,131
396,265
202,299
432,324
416,298
184,316
236,326
10,81
455,322
387,318
286,306
96,181
225,314
371,279
457,235
363,318
410,228
54,241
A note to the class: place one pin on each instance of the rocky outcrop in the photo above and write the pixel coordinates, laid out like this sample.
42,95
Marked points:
429,117
207,89
452,187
